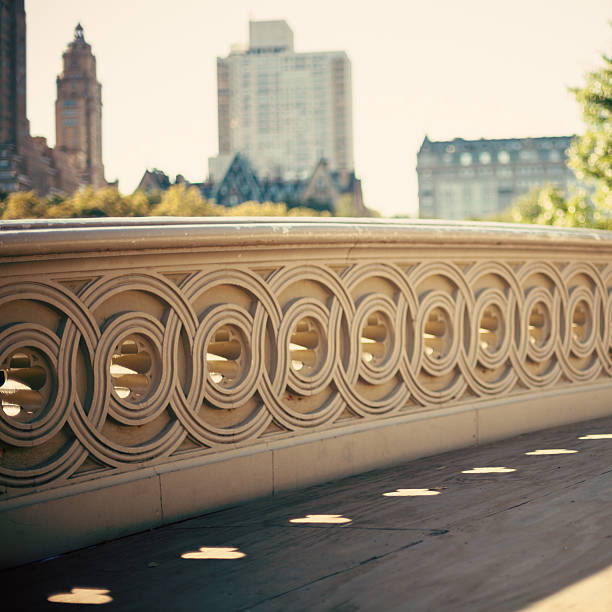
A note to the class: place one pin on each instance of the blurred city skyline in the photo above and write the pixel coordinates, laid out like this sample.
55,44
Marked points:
471,69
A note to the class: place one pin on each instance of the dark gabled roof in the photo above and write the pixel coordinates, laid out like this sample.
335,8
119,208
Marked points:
157,178
240,181
241,184
277,190
342,180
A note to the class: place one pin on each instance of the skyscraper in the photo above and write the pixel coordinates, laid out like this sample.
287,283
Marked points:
78,110
284,110
14,130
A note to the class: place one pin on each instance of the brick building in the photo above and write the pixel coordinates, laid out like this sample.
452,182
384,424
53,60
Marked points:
27,162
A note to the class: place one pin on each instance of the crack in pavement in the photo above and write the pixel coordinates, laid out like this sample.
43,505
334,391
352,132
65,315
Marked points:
337,573
509,508
547,494
573,484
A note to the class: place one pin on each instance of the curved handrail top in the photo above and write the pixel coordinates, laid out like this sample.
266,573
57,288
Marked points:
65,236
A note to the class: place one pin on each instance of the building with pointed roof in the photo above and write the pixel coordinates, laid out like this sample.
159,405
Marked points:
239,183
78,110
154,180
27,162
321,190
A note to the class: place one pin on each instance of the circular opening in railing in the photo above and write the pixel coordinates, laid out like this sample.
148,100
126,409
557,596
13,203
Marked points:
581,322
539,324
131,368
374,339
305,346
225,356
491,329
438,334
25,384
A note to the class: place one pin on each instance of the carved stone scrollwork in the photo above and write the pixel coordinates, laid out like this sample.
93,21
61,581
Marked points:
114,370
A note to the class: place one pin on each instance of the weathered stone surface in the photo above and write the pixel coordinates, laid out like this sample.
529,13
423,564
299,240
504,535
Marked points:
539,535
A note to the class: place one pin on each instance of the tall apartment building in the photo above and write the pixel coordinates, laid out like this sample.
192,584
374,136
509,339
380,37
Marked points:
283,110
14,129
463,179
78,110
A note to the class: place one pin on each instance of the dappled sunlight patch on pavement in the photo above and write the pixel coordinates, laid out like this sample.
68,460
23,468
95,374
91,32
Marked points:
214,552
596,437
552,451
82,596
411,493
489,470
322,518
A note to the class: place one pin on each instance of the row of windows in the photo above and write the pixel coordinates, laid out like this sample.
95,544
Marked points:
517,146
469,194
285,62
484,157
504,171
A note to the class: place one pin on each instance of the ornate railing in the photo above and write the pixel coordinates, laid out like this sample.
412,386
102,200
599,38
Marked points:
130,344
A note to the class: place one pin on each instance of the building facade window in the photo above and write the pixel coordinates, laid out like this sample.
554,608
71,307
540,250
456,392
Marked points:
503,157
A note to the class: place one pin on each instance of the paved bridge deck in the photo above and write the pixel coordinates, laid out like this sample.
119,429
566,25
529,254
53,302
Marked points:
537,538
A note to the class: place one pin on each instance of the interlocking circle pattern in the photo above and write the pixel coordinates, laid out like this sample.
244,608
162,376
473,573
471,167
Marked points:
131,369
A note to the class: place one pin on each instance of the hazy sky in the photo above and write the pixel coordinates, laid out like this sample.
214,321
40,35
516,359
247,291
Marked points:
448,68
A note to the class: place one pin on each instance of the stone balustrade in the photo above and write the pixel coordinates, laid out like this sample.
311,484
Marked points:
153,368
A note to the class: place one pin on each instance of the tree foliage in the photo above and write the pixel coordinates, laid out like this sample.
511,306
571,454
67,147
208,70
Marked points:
591,154
178,201
590,157
548,206
182,201
271,209
22,205
107,202
346,206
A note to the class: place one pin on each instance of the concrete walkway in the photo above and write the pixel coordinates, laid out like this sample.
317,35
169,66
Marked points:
534,533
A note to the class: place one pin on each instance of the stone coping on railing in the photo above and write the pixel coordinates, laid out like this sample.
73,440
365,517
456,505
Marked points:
47,236
213,360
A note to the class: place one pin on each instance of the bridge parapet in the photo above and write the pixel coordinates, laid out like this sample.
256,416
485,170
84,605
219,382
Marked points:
153,369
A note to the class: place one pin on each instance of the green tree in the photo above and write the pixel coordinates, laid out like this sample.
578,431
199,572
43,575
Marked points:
23,205
269,209
548,206
345,207
590,157
257,209
182,201
302,211
591,154
139,204
106,202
